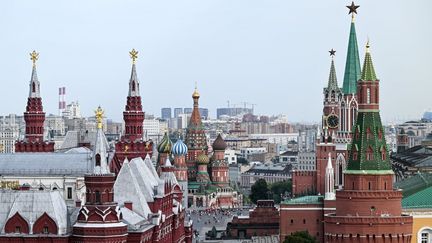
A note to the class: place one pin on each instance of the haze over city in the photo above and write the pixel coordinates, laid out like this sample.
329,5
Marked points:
271,53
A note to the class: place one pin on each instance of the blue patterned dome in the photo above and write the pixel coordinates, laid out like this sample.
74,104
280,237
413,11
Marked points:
179,148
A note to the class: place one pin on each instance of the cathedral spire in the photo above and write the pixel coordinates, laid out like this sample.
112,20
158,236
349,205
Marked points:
34,90
195,120
352,65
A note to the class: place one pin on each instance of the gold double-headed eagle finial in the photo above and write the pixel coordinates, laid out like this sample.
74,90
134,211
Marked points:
99,117
133,55
34,56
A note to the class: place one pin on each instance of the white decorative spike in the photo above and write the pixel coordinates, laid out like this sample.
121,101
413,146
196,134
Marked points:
329,180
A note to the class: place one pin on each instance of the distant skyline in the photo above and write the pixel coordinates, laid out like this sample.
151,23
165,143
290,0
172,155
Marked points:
272,53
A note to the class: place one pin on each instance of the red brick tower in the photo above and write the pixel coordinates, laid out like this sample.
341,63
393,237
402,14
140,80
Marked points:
131,144
196,139
368,209
219,166
99,220
330,126
34,118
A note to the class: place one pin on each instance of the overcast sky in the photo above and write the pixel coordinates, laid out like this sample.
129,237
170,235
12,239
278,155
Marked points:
273,53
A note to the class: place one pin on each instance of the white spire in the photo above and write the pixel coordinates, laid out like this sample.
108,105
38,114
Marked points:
34,89
168,162
134,83
100,153
329,180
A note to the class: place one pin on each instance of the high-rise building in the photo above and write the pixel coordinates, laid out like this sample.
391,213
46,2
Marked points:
187,110
177,112
166,113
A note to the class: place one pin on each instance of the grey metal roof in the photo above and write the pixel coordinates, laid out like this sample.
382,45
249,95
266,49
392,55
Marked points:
31,205
21,164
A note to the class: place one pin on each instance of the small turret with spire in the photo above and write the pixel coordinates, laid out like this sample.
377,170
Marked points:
34,117
100,153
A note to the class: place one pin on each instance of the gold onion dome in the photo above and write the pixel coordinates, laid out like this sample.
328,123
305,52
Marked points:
165,145
203,159
195,93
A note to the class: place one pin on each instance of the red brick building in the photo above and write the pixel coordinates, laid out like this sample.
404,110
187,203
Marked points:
262,221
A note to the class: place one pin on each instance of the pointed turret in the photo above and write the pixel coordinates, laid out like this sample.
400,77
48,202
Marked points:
100,153
34,117
369,150
195,120
352,65
332,81
133,82
329,180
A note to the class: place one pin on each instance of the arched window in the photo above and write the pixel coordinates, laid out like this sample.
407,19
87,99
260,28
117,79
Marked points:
368,133
33,87
383,153
98,196
98,160
369,153
133,85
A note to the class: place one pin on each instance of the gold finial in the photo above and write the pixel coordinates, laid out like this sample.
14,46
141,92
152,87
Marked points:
133,55
99,117
367,46
195,93
34,56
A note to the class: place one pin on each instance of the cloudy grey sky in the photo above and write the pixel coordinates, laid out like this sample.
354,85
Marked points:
269,52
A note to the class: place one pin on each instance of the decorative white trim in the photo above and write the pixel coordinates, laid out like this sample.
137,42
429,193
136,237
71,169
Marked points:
99,225
308,209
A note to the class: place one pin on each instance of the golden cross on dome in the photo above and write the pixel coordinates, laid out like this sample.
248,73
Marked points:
133,55
34,56
99,116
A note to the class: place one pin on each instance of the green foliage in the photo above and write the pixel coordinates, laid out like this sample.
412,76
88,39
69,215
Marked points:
259,191
280,188
300,237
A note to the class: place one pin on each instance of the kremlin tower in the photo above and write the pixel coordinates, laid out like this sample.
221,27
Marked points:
34,117
368,209
100,216
131,144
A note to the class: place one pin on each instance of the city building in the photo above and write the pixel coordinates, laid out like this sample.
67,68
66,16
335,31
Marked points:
270,173
9,133
177,112
232,112
166,113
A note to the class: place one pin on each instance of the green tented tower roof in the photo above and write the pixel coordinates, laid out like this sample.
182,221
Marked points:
369,153
352,65
332,82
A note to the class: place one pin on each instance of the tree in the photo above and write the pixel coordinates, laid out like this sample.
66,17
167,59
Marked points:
280,188
300,237
259,191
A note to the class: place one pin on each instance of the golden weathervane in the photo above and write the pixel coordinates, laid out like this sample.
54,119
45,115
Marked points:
99,117
34,56
133,55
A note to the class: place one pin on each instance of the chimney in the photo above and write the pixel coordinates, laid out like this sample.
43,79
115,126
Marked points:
128,205
78,203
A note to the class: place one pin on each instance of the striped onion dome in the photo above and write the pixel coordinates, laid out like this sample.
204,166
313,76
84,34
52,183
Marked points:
165,145
179,148
203,159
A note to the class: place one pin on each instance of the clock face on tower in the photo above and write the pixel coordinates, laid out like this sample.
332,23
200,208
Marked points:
332,121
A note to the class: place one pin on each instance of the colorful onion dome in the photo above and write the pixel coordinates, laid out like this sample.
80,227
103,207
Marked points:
165,145
179,148
203,159
219,143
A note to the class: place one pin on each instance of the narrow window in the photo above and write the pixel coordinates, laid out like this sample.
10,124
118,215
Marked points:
69,193
98,159
45,230
17,230
98,197
369,185
33,87
368,95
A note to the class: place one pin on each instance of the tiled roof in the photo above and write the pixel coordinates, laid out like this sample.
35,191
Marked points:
421,199
352,65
